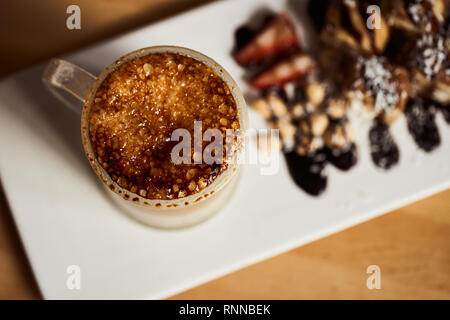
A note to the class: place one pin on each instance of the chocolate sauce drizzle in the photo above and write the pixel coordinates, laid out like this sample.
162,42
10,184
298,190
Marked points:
308,172
420,116
383,149
343,159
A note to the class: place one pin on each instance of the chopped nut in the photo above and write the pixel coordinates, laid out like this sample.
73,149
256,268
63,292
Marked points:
287,129
310,108
336,108
315,93
297,111
337,136
335,139
175,188
262,107
143,193
319,123
278,106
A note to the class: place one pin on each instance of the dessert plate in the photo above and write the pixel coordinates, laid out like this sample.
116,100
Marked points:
65,218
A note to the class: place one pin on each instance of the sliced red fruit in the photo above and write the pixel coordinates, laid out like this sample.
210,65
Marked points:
284,71
277,36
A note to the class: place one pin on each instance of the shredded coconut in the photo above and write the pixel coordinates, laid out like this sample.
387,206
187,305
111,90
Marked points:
429,54
417,13
415,9
378,83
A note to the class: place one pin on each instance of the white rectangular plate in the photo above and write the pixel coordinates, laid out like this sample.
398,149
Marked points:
65,218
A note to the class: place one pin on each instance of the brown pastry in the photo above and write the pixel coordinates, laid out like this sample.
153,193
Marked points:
346,26
416,15
381,87
427,57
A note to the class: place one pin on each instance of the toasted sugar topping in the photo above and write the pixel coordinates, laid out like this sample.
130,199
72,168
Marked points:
135,111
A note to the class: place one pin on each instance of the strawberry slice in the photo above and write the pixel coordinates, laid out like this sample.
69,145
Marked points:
284,71
277,36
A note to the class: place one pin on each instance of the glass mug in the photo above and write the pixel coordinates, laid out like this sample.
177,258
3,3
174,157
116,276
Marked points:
62,77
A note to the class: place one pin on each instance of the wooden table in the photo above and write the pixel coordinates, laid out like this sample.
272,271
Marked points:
410,245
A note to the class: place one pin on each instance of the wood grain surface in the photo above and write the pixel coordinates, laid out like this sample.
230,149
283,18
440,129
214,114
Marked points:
411,245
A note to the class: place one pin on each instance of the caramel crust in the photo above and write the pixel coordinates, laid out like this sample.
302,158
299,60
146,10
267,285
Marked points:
136,109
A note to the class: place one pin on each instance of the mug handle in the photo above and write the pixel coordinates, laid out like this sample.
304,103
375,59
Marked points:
67,81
